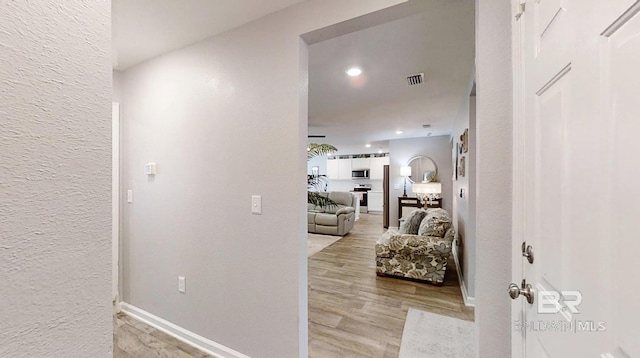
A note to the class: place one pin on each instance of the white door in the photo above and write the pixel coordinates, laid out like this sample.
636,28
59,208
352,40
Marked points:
576,192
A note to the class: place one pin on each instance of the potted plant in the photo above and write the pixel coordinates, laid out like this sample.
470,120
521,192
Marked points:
318,183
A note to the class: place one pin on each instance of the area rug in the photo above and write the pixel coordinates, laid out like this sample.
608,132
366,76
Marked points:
317,243
428,335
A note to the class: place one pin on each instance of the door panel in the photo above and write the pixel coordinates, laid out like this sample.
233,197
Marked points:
548,11
624,54
551,116
575,171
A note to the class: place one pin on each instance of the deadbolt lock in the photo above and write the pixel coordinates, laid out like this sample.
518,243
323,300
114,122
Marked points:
527,251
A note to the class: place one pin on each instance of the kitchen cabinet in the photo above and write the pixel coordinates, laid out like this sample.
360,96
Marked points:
376,169
344,168
333,170
375,201
360,163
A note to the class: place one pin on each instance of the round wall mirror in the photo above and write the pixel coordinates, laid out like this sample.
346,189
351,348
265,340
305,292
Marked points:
423,169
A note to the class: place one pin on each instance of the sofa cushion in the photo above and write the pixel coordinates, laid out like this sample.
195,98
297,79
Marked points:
435,223
412,224
326,219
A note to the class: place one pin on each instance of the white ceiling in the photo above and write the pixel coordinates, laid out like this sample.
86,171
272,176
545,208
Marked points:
438,40
143,29
370,108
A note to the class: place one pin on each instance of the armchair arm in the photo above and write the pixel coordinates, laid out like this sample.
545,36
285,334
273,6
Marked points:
393,242
345,210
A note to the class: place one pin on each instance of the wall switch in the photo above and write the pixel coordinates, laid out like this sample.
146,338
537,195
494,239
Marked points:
182,284
150,169
256,204
129,196
396,186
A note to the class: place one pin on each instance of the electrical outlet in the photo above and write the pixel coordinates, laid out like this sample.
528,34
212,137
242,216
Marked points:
182,284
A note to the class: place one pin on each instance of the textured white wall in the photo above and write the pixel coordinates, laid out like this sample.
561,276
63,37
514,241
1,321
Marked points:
55,179
464,207
225,119
401,151
493,177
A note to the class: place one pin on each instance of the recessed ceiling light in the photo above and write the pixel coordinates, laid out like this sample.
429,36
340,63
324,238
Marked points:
399,132
368,145
354,71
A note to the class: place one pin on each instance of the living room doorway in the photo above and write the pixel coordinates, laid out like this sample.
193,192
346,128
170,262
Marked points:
345,269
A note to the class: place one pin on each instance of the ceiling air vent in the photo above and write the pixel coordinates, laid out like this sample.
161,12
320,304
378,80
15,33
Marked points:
415,79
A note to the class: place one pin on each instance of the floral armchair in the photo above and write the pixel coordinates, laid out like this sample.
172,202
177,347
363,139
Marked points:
420,249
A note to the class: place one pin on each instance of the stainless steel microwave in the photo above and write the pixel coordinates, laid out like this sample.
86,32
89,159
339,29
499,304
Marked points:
360,174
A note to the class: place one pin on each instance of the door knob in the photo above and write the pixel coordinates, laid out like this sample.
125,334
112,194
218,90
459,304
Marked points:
525,290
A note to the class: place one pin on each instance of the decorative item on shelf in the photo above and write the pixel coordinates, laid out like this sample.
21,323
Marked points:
430,191
405,171
461,168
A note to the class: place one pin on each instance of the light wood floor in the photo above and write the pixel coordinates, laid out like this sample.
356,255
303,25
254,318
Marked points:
134,339
353,312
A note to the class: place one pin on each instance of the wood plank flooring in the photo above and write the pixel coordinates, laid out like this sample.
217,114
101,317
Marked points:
353,312
134,339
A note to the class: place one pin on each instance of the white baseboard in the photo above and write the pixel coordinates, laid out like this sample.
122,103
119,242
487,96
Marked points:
206,345
468,300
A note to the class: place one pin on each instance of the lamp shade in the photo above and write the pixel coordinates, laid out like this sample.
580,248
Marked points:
405,171
427,188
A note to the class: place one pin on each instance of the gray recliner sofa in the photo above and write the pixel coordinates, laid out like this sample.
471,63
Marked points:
333,220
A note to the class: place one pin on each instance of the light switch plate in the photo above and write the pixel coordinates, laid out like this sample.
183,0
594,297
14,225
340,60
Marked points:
182,284
129,196
150,169
256,204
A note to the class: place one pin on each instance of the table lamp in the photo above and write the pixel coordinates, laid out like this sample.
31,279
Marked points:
430,190
405,171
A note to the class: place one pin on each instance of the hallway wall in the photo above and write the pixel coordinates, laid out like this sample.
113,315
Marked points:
494,118
225,119
55,179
